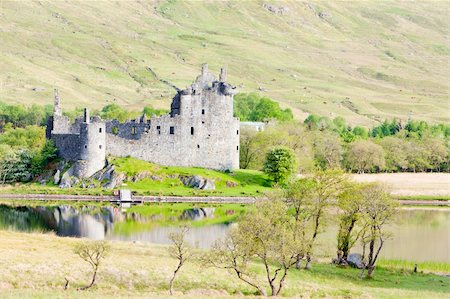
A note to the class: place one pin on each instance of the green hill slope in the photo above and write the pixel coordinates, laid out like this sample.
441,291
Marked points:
361,60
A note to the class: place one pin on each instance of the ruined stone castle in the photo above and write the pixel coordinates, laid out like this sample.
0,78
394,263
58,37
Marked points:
200,130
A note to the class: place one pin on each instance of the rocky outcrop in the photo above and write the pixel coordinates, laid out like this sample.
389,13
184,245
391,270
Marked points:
278,10
355,260
68,180
57,177
116,179
198,182
197,214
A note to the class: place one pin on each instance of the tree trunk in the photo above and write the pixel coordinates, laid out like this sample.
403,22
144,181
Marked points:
173,278
94,276
298,262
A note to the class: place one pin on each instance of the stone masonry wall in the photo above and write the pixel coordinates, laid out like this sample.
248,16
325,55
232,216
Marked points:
199,131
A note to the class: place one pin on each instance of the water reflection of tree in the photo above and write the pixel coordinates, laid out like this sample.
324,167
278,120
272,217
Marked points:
21,218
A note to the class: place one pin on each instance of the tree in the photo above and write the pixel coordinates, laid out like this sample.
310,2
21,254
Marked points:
93,252
253,107
328,151
326,185
395,153
351,204
114,111
416,155
43,157
280,164
149,111
265,234
436,151
248,149
297,195
179,250
360,132
379,211
364,155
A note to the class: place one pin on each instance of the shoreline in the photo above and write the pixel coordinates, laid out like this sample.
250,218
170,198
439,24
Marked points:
181,199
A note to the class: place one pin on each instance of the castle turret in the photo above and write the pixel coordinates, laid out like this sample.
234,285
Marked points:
223,75
56,106
92,146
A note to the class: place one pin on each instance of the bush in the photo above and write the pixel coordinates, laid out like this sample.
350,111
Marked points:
280,164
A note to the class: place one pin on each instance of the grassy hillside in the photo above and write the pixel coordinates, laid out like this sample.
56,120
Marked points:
363,60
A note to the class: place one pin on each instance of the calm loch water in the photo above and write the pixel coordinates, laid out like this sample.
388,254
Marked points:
418,234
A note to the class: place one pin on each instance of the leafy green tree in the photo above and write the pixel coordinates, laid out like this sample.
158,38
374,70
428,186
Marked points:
42,158
379,210
365,156
264,234
114,111
249,151
252,107
328,150
16,167
396,156
416,129
149,111
361,132
326,185
280,164
298,196
417,156
387,128
340,124
437,152
351,204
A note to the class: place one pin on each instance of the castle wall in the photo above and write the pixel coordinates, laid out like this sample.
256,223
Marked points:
204,134
68,146
199,131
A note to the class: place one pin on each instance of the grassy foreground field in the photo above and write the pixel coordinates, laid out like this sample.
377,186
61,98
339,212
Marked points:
364,60
35,265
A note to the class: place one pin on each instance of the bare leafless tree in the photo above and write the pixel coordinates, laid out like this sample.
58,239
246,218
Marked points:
93,252
180,250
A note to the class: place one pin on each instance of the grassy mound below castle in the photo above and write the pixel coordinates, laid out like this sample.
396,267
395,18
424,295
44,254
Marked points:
145,178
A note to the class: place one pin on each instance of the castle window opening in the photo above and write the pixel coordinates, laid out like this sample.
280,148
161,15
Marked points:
237,132
133,130
237,147
100,130
159,129
198,145
85,146
203,121
203,111
192,130
100,146
172,130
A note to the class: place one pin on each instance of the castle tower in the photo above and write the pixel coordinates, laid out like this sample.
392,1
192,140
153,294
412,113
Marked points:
92,155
